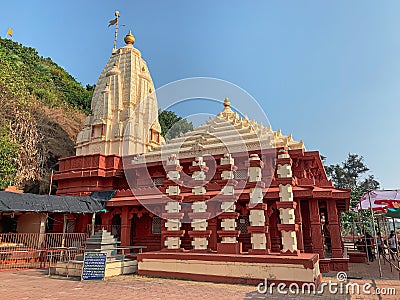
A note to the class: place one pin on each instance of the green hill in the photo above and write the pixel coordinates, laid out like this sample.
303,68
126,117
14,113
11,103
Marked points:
42,109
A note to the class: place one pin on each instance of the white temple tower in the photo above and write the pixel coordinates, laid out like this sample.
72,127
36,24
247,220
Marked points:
124,117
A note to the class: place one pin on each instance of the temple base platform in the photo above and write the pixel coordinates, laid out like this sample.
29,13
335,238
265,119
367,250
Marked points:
333,264
73,268
231,268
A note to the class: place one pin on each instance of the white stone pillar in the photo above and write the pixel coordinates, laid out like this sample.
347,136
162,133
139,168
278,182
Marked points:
172,210
257,207
286,205
228,216
199,215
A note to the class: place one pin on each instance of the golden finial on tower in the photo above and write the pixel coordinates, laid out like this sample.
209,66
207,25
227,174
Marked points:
129,38
227,112
227,103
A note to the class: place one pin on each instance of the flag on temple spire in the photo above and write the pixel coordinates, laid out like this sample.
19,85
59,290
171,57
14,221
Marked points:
113,22
10,32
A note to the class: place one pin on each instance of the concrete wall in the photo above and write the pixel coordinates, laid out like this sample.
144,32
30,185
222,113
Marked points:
31,223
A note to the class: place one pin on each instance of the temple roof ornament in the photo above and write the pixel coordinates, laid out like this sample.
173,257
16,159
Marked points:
129,38
227,112
227,103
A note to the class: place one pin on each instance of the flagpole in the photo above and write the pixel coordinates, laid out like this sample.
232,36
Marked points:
116,29
376,240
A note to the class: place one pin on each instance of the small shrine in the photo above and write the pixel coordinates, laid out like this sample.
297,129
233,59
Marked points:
101,242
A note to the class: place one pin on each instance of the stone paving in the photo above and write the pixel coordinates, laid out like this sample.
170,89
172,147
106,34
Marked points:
368,271
35,284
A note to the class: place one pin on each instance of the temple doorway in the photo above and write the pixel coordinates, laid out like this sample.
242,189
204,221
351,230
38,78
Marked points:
116,226
186,241
275,235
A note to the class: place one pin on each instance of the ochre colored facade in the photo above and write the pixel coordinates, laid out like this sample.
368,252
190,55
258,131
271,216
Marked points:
207,191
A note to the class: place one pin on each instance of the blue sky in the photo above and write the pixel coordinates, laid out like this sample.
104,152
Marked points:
326,71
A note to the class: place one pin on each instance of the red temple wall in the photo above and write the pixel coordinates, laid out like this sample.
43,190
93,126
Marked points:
142,235
85,174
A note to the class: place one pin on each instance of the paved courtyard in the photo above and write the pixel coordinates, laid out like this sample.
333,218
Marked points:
35,284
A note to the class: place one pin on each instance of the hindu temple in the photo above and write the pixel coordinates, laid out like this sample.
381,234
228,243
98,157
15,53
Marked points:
207,204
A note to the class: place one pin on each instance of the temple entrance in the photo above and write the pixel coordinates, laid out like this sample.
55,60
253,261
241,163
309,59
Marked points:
97,220
306,226
186,241
116,226
325,228
275,235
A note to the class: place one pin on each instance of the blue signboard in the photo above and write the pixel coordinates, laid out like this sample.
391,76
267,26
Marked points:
94,266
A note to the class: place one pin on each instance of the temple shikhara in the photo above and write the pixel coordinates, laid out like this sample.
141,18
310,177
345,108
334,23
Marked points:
124,82
230,201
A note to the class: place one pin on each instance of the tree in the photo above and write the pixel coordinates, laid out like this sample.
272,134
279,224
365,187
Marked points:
90,87
40,102
172,125
352,174
8,156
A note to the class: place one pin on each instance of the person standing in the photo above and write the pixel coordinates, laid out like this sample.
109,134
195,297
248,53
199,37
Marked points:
368,241
380,244
392,245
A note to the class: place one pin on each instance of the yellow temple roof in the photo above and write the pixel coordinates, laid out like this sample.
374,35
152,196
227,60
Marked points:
226,133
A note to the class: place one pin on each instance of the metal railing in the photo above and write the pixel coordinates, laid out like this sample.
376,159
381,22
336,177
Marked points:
394,255
64,255
37,250
53,240
20,250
